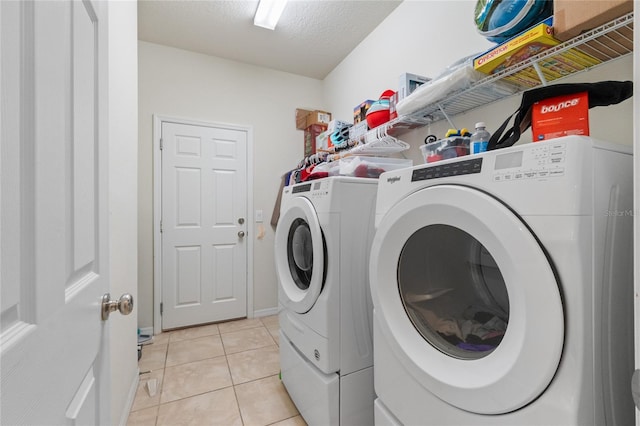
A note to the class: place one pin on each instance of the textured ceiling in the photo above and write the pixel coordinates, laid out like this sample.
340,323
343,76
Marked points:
311,38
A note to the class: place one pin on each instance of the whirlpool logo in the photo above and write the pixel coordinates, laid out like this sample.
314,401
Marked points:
393,179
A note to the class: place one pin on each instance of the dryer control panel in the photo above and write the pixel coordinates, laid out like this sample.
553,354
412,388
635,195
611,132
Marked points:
456,168
320,188
532,162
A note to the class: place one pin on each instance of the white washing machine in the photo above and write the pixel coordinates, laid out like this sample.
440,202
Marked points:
322,246
502,288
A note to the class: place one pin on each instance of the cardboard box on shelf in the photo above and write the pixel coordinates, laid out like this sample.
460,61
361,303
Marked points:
560,116
358,130
301,118
408,83
311,133
337,124
360,111
571,17
393,102
306,118
322,141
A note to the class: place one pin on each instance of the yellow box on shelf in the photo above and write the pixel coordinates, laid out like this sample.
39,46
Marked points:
516,49
528,44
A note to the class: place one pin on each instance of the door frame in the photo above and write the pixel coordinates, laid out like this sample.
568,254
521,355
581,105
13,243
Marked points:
157,208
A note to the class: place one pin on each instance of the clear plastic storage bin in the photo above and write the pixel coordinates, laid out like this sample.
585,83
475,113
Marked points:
368,167
445,148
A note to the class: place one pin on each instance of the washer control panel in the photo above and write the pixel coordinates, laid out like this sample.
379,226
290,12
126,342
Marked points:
314,189
320,188
305,187
534,162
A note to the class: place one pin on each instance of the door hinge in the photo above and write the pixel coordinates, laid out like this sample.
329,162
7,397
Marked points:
161,308
161,227
160,144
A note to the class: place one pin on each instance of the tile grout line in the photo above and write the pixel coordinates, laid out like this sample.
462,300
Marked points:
235,394
214,390
292,417
225,354
233,384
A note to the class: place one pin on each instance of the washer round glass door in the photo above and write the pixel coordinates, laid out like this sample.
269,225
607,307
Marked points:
467,299
300,255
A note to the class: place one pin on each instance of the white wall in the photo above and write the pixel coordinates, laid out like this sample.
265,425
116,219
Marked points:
178,83
425,37
421,37
123,159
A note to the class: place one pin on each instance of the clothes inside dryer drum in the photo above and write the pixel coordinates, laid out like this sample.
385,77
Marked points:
300,253
301,248
453,291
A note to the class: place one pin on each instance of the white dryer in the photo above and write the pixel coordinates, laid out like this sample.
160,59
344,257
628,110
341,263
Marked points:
322,246
502,288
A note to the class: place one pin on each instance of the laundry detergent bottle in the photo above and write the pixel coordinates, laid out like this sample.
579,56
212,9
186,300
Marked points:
479,139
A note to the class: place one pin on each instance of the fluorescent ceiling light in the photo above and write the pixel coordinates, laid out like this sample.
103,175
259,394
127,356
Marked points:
268,13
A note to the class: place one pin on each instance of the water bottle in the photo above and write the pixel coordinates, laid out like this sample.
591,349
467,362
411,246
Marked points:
479,139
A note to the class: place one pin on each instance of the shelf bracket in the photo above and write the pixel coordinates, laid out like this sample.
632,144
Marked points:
540,75
453,126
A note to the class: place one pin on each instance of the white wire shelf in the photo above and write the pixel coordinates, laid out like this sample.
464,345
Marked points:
376,142
605,43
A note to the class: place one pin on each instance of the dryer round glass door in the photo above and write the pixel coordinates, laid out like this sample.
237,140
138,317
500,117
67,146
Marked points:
300,253
467,298
453,291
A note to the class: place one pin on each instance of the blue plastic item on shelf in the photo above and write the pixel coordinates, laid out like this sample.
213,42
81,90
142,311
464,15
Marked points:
499,20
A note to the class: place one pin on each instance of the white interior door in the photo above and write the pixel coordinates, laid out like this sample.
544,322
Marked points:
204,223
54,214
636,222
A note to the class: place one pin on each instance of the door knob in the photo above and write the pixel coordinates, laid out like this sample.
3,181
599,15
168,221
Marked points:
240,234
124,305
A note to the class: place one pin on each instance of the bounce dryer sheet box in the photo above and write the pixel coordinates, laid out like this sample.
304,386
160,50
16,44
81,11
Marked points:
560,116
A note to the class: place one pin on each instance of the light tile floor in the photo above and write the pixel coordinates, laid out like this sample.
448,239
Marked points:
218,374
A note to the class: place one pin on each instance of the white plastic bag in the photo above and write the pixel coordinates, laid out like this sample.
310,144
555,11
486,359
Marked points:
456,77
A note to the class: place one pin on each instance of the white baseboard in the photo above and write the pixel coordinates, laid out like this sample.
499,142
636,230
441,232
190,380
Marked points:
265,312
130,398
147,330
